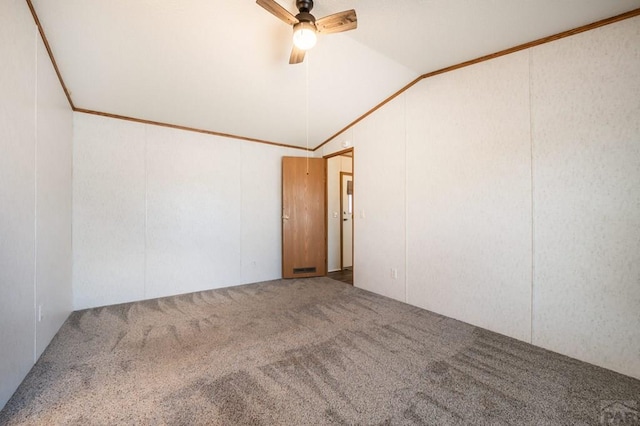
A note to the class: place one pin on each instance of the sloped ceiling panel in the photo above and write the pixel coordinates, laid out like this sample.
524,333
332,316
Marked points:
223,65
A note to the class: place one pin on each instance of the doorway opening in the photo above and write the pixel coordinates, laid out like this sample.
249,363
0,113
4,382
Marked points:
340,208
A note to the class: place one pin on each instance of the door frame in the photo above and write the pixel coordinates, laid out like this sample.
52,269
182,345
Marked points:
342,174
326,197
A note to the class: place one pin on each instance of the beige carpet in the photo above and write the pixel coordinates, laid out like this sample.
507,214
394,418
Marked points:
296,352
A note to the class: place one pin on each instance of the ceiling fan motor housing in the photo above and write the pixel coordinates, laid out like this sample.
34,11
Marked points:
304,5
306,17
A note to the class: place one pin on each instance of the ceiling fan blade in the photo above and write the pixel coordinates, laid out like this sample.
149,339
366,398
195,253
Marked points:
278,11
338,22
297,55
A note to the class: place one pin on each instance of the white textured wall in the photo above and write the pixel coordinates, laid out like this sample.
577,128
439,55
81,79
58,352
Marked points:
108,211
159,211
261,210
17,194
379,200
586,127
522,195
193,212
54,192
35,173
469,195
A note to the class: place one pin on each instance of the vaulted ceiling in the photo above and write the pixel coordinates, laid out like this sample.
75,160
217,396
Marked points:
222,65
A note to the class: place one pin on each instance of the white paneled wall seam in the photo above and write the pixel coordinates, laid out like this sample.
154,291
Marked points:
533,218
145,291
241,260
35,200
406,201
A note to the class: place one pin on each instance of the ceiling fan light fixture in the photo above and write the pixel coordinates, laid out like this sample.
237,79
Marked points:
304,35
306,27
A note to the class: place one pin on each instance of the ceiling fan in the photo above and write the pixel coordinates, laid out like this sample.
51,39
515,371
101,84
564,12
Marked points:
305,25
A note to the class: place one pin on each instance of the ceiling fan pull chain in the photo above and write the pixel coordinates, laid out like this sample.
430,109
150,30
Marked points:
307,109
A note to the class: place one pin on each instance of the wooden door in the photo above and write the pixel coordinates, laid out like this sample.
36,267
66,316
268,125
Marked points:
303,217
